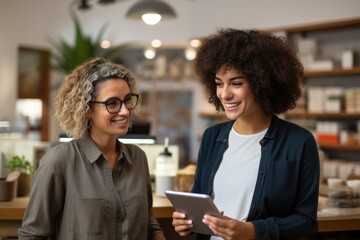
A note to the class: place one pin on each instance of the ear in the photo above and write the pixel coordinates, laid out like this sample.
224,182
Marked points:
88,114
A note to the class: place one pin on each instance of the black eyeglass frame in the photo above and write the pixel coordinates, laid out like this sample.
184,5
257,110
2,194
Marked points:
126,99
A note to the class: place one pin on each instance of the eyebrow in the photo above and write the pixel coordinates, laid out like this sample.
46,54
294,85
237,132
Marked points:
231,79
126,96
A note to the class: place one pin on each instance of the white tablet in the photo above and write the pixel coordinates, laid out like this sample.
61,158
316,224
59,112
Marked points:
195,206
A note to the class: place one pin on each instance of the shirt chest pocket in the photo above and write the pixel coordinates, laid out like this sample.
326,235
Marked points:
281,184
137,215
87,216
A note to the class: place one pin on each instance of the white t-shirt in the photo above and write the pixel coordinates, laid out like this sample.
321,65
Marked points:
235,180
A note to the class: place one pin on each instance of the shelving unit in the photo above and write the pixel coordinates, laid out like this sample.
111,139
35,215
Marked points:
169,94
342,115
335,72
331,38
341,147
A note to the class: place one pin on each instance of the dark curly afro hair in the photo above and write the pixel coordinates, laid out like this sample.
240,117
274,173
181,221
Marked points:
270,64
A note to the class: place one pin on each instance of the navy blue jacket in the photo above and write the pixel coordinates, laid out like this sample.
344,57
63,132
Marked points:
284,204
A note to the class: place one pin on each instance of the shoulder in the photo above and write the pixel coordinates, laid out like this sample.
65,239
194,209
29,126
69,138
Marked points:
294,133
58,156
293,128
219,128
64,149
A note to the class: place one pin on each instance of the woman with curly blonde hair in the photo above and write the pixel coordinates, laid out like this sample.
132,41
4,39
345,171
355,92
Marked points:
73,98
93,187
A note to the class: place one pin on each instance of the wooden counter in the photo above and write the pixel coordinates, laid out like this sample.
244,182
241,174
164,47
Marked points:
11,214
15,209
339,223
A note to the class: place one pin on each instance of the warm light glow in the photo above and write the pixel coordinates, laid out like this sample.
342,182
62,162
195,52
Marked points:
150,53
105,44
190,54
156,43
195,43
151,18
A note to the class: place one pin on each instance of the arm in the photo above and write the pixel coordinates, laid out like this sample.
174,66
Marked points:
229,228
294,213
46,199
155,232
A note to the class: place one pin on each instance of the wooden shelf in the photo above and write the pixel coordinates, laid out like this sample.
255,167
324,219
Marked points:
346,23
335,72
11,214
331,38
339,147
322,115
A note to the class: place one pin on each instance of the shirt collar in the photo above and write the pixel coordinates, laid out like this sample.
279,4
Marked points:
93,153
125,152
270,133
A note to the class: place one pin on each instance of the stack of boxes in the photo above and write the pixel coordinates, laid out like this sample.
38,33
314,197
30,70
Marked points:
352,100
340,168
308,51
334,100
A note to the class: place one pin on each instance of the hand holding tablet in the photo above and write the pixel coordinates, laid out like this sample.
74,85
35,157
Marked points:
195,206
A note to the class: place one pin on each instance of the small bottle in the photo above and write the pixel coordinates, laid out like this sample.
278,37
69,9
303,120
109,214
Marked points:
165,171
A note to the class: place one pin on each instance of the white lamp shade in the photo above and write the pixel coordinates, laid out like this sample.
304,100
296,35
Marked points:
151,7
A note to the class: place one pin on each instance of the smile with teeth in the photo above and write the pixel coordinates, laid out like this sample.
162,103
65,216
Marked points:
120,120
232,105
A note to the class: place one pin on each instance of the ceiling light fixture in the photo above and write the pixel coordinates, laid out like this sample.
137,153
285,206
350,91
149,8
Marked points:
106,1
149,53
84,5
190,54
156,43
151,11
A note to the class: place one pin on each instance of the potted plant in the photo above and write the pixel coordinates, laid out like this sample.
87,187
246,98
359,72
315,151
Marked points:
67,57
26,168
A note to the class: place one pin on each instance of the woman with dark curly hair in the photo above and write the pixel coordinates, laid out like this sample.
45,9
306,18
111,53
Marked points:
261,171
93,187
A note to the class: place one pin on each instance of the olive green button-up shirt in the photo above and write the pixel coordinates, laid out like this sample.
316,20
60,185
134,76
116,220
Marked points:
76,195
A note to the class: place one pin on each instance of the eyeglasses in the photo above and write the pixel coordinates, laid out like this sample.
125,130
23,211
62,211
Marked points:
113,105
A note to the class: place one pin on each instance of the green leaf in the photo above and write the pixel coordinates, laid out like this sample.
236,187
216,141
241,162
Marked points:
66,57
20,164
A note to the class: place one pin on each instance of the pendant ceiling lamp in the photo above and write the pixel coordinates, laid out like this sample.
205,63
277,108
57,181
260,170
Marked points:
151,11
84,5
106,1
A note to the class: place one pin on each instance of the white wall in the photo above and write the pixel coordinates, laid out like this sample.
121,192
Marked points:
32,22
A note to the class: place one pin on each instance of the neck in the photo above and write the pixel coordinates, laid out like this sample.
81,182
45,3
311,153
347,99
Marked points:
108,147
252,125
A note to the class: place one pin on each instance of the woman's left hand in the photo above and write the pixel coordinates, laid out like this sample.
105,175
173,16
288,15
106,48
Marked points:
230,229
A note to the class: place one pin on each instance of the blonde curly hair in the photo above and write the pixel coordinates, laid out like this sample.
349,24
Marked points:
80,87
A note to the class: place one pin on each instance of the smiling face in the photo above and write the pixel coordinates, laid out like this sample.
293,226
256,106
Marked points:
104,124
235,94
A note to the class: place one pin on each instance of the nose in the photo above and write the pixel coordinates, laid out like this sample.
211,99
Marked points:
226,92
123,110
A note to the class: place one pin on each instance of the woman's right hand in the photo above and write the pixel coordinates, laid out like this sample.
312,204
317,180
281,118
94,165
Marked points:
181,223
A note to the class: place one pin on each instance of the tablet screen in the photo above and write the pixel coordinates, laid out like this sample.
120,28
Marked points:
195,206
